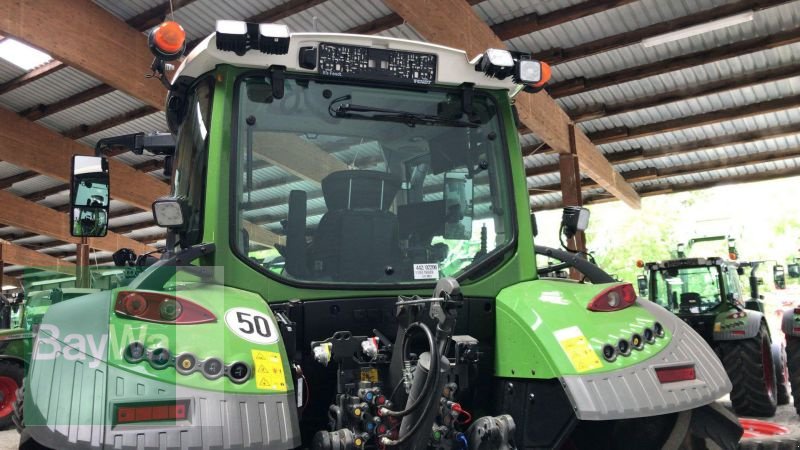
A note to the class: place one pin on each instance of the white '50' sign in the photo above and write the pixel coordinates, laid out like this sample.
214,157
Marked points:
251,325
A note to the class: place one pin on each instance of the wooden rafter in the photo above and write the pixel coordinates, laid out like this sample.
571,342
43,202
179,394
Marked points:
37,148
21,256
454,23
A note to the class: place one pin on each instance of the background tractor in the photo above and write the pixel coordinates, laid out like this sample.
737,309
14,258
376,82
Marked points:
706,294
350,264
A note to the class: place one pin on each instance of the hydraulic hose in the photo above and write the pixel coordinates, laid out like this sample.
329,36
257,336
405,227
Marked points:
429,381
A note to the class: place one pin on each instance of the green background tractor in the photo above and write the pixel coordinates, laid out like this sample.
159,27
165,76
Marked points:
706,293
350,264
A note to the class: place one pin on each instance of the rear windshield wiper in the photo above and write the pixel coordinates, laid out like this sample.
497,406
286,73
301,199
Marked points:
350,111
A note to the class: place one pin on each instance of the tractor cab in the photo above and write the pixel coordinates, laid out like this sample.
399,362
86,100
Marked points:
696,289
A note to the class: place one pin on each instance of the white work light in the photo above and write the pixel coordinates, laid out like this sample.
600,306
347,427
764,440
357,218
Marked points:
169,212
273,38
232,36
496,63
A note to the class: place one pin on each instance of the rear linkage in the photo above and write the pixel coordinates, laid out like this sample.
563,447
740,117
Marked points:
367,415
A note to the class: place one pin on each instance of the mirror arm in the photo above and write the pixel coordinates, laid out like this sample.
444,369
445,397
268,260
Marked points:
157,143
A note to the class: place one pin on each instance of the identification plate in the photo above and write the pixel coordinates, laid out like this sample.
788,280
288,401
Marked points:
429,271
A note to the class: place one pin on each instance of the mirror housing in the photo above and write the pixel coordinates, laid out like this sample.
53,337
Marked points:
779,276
89,196
641,282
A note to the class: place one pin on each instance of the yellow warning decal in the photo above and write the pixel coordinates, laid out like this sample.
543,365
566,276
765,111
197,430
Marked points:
717,327
578,349
269,371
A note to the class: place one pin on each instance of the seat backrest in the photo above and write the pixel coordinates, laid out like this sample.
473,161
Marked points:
690,299
358,238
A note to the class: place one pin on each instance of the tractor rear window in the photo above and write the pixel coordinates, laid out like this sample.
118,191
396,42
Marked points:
688,289
353,184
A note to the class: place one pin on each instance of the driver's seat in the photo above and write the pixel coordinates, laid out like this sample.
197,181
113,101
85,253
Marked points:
357,239
689,300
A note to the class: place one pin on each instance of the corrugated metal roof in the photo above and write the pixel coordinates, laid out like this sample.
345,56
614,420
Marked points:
128,8
9,71
50,89
93,111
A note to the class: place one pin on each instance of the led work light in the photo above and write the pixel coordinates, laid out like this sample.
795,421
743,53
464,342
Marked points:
169,212
239,37
529,73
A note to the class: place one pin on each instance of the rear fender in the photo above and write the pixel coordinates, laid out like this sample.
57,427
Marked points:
791,323
726,329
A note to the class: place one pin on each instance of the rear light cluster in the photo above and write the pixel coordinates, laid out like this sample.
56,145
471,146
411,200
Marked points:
637,341
614,298
161,308
187,364
153,412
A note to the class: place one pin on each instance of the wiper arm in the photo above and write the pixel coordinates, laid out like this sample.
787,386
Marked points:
350,111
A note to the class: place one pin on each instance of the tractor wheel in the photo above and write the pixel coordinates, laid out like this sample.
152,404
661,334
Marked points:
781,372
11,375
752,372
793,362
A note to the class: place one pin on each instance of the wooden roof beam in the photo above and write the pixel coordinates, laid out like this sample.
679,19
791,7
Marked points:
454,23
35,147
21,256
44,25
25,214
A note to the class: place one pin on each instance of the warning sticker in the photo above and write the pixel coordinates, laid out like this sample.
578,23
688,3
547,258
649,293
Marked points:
269,371
578,350
428,271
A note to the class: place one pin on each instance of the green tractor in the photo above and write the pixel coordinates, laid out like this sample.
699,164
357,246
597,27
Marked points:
706,294
308,296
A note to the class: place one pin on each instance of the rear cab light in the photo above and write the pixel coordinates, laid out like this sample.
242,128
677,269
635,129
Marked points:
163,308
674,374
613,298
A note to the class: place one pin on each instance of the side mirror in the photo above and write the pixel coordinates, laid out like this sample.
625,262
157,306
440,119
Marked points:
794,270
740,270
574,219
641,282
458,206
779,277
89,196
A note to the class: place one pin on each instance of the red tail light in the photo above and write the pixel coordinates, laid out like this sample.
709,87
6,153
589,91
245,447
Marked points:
153,413
161,308
674,374
614,298
797,310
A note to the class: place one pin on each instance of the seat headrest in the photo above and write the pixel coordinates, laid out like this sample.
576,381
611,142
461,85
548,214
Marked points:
360,189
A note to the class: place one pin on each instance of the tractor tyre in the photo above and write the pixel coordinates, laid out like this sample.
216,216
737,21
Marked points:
781,373
11,375
793,363
752,372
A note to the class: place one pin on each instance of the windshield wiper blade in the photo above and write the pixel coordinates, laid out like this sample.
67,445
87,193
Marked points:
350,111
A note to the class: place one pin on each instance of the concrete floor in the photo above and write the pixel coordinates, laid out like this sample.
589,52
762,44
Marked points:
9,439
